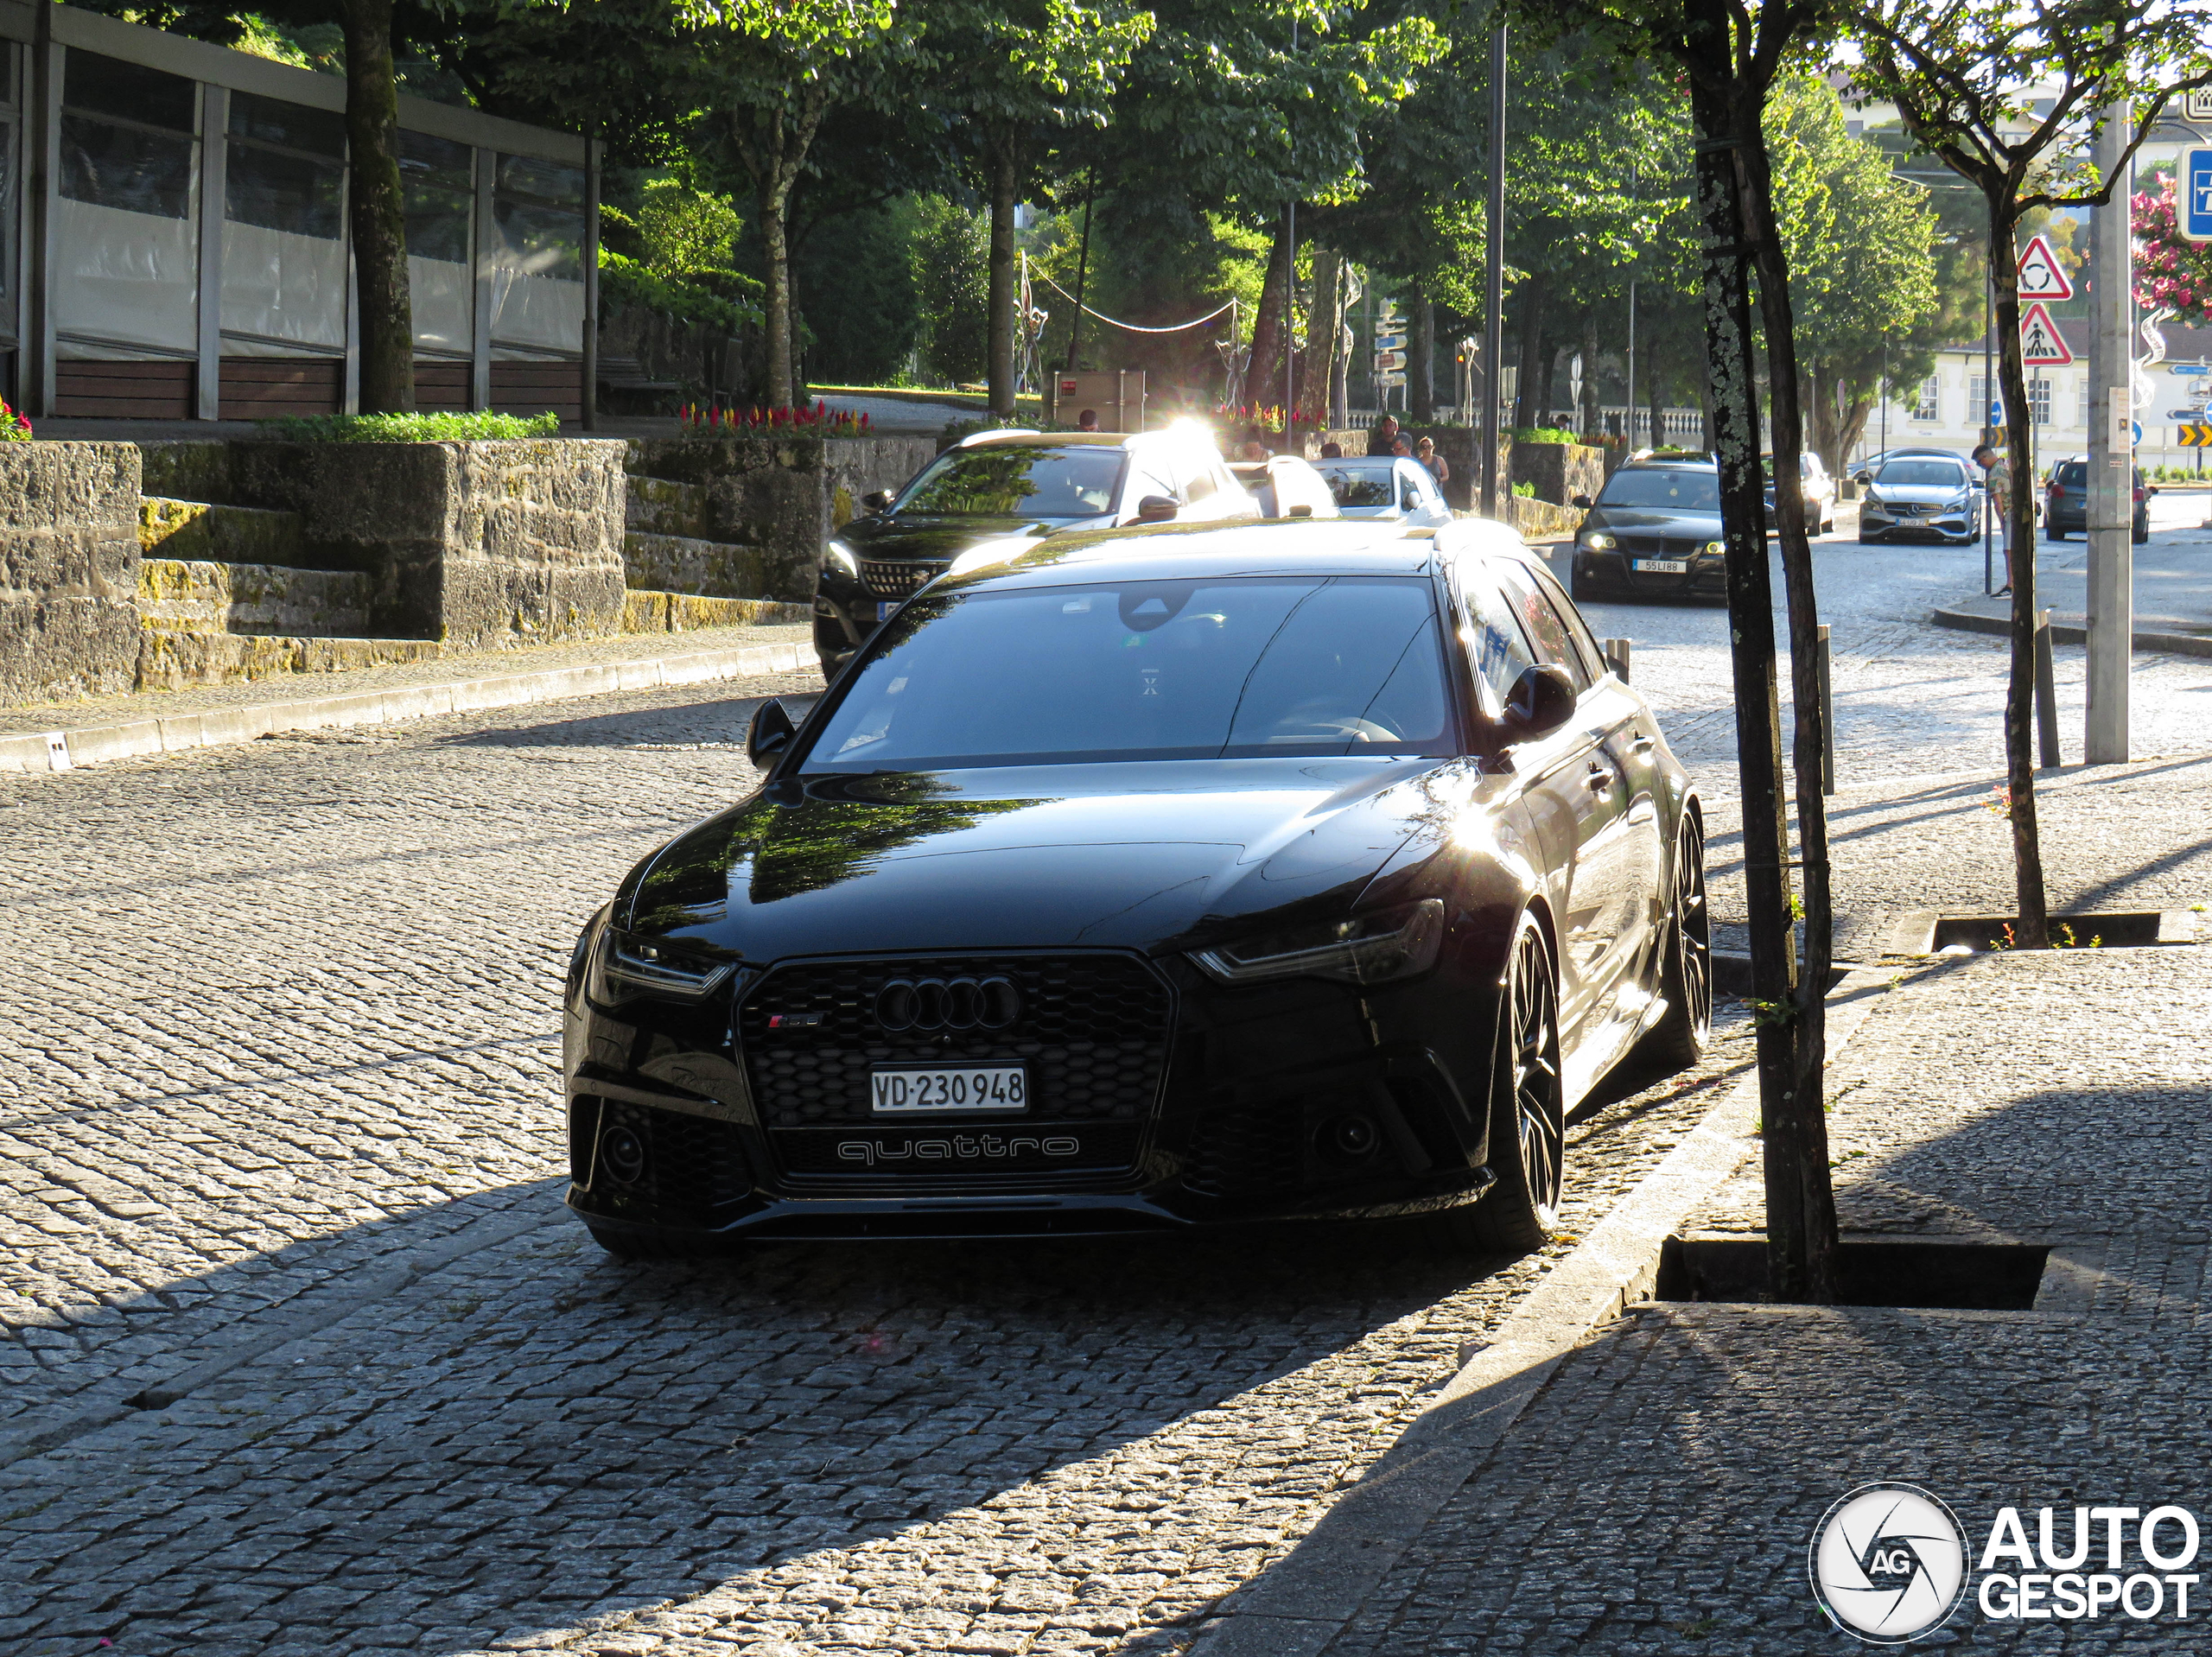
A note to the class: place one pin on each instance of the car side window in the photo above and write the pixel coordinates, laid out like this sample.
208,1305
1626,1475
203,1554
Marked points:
1144,481
1496,644
1578,629
1546,630
1409,491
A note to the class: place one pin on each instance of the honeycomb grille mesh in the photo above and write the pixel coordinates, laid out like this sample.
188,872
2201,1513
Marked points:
1093,1030
887,580
1247,1151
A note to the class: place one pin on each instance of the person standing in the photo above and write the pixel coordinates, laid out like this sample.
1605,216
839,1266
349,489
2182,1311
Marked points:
1997,473
1438,467
1383,439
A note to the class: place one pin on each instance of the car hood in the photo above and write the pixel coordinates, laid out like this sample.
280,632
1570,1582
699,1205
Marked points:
921,537
1912,494
1156,857
1705,525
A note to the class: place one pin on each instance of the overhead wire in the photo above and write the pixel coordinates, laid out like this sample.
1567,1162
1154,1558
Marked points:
1133,327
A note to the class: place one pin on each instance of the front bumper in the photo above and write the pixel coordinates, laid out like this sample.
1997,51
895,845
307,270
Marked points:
1295,1101
1614,569
1964,525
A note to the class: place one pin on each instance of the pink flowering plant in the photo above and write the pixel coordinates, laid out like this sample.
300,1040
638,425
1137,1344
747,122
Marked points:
2171,272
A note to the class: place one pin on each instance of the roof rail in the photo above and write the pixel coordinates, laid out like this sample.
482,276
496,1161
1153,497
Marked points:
998,431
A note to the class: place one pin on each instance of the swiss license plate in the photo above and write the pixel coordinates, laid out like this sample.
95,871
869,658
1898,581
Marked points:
884,607
1662,567
918,1092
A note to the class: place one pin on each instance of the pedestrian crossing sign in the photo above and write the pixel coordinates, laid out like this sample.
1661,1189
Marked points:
2041,344
2041,275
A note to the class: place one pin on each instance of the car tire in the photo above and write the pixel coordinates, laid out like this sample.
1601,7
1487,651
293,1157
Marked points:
1866,540
2052,534
1827,526
1684,1032
2139,531
626,1245
1527,1127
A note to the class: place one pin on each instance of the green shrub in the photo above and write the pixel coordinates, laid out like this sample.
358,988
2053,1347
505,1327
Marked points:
1544,434
1526,491
411,428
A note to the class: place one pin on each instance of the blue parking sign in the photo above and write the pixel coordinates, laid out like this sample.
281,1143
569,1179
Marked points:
2197,202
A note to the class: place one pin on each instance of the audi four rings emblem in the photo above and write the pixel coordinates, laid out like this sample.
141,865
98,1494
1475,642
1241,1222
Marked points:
947,1003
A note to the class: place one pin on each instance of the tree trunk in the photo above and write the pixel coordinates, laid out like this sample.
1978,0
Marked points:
1005,178
1420,358
2034,927
1532,384
1801,1252
378,210
1735,428
1591,418
1317,373
776,299
1264,373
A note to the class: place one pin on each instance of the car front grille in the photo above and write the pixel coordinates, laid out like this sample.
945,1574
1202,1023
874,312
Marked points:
896,579
1092,1030
1247,1151
1662,546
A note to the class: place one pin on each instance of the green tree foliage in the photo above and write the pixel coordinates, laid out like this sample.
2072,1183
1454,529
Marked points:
1862,261
951,277
856,288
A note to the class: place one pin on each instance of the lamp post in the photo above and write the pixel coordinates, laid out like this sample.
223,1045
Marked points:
1494,275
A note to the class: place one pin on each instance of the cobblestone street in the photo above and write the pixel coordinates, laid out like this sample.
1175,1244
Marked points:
301,1355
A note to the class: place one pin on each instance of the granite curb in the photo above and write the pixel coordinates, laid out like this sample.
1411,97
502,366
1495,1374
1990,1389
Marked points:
96,744
1304,1602
2073,629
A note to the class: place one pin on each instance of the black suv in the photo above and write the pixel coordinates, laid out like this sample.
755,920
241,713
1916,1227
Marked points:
1655,528
2066,501
1007,491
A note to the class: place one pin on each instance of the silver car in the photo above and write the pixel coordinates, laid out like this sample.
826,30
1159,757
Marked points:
1921,494
1389,487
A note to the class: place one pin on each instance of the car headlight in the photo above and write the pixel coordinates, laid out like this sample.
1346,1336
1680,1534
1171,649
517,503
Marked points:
626,967
1716,548
1365,950
836,554
1599,543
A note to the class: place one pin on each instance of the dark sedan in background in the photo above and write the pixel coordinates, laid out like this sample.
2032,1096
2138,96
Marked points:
1005,491
1147,880
2066,502
1654,530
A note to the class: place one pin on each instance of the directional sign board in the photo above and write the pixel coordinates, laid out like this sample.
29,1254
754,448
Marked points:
2193,436
1389,342
2041,275
2195,219
2041,345
1388,361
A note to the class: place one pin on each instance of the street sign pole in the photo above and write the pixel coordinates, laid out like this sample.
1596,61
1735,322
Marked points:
2109,508
1494,275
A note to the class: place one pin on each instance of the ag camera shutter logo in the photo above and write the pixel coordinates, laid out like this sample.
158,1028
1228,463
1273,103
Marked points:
1889,1562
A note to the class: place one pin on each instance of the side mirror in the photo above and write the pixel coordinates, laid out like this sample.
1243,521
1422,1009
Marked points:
1156,509
876,500
1584,502
1862,477
1542,701
769,738
1304,509
2150,491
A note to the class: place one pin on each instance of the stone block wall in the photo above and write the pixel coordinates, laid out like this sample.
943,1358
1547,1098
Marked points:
477,544
68,569
766,502
1559,471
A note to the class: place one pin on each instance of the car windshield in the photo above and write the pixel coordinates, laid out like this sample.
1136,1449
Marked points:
1016,480
1666,487
1158,669
2071,474
1924,474
1363,485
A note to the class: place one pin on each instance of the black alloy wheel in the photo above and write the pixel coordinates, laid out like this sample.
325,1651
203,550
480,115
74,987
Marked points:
1528,1128
1681,1037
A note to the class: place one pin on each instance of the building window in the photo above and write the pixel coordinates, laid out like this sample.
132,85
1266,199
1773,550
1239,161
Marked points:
440,178
2039,402
283,228
536,254
127,258
1929,404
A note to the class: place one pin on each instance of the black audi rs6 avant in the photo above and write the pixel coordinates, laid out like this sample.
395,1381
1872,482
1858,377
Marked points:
1156,878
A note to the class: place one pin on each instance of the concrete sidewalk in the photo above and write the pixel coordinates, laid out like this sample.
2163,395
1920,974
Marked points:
1654,1490
59,736
2173,587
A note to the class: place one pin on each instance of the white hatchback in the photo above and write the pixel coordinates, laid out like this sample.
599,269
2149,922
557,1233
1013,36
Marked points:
1389,487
